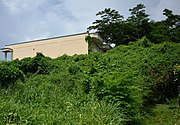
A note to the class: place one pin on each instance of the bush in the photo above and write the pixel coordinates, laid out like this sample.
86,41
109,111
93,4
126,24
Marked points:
38,64
125,79
9,75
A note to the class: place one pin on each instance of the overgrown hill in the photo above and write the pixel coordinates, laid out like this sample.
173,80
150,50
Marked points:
120,86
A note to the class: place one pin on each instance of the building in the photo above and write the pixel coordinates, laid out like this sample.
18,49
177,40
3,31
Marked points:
53,47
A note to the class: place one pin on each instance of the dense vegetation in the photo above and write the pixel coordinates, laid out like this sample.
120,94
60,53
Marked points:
135,83
117,87
115,29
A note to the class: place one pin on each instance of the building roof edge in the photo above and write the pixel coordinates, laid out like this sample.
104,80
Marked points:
48,38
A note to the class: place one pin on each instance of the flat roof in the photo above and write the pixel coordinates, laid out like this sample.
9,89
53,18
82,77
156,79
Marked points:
49,38
6,50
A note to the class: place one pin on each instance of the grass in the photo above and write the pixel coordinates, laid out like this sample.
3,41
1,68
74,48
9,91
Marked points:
38,101
97,89
164,114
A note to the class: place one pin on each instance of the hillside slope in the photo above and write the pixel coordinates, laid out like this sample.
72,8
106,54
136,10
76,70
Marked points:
117,87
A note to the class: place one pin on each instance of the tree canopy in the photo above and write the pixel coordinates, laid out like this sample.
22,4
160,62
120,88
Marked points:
115,29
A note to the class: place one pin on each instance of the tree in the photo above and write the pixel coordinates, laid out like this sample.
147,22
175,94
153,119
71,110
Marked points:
108,25
140,20
114,29
166,30
138,15
158,32
172,20
173,23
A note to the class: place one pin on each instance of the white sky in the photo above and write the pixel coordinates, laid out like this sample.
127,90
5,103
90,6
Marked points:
24,20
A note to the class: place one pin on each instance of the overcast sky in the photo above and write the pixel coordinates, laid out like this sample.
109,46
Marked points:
24,20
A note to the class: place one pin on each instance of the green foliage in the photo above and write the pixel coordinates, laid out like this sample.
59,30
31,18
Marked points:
120,86
172,20
113,28
176,72
159,33
9,74
38,64
89,40
140,19
107,27
144,42
115,87
163,114
38,101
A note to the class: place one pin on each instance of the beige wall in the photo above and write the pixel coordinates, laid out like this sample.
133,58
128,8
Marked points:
53,47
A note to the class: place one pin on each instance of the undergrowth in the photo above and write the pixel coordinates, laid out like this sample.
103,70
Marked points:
117,87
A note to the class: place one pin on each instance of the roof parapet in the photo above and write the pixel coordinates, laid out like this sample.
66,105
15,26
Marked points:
6,50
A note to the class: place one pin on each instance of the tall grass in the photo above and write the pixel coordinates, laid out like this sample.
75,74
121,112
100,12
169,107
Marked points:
117,87
38,101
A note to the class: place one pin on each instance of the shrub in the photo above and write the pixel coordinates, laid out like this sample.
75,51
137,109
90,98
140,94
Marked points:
9,75
144,42
127,77
38,64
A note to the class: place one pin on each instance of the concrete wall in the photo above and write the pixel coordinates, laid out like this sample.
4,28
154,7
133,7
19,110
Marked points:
53,47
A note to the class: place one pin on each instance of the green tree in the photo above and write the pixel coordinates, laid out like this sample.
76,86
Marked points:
140,20
114,29
173,23
158,33
108,25
172,20
165,30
